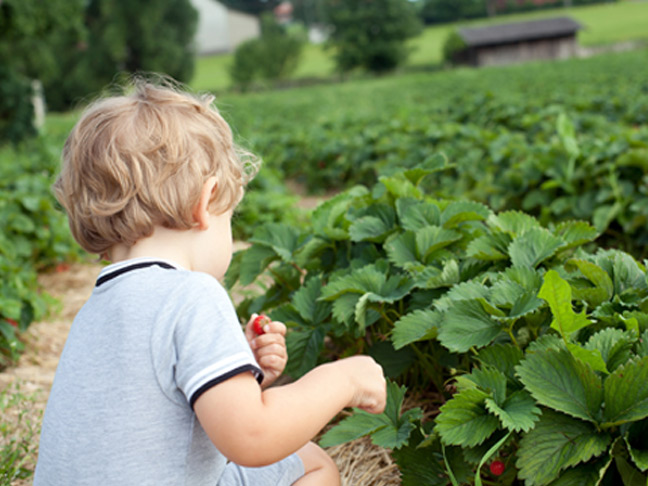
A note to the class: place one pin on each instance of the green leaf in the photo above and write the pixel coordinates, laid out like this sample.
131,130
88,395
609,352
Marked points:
304,346
415,214
613,345
464,419
328,218
282,238
430,165
567,134
630,475
368,228
307,304
626,393
389,429
432,238
591,357
576,233
637,444
527,303
598,286
344,308
558,380
489,247
534,247
361,281
585,474
358,425
515,223
642,345
402,252
555,443
418,325
399,186
254,261
517,413
623,269
490,380
557,293
433,278
467,324
458,212
375,225
418,464
504,357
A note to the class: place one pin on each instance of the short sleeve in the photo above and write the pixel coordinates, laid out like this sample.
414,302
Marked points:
208,342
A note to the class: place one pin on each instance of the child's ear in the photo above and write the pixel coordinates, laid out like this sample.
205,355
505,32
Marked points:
201,211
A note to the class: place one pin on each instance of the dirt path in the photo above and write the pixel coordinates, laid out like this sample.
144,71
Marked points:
360,463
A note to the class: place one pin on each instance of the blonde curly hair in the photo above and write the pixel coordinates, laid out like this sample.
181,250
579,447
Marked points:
139,160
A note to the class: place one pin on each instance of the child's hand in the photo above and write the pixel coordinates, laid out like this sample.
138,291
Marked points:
368,381
269,348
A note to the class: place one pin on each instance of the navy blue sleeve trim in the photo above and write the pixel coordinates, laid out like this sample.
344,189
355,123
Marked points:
221,378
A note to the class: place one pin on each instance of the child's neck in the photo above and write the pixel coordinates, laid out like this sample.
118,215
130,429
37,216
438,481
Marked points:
168,244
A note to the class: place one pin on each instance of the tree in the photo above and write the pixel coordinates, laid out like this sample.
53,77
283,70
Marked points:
125,37
371,34
34,37
271,57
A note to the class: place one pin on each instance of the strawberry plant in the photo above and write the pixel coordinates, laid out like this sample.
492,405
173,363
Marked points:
540,335
35,236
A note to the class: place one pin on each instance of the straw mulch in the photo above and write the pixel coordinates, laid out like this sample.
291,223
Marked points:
360,462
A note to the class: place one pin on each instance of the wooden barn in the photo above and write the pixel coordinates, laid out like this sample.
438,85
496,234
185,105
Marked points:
552,38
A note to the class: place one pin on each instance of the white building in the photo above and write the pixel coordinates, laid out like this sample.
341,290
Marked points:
221,29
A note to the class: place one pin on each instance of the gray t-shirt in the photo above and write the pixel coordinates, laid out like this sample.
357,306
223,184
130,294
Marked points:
151,338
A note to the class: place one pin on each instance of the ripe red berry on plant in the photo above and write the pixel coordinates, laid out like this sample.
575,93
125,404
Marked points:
497,468
259,322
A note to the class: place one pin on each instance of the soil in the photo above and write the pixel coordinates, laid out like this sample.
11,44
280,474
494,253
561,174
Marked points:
360,462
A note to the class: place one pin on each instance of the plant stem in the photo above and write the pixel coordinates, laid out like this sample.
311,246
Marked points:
430,367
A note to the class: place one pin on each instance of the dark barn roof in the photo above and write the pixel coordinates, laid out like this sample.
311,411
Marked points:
520,31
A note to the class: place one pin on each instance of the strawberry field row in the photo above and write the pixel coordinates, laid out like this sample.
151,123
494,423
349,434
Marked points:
476,251
560,141
34,237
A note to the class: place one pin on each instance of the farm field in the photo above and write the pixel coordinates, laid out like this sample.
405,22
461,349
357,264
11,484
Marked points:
604,24
482,236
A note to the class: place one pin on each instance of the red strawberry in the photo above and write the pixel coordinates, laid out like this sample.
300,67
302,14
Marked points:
11,322
497,468
62,267
259,322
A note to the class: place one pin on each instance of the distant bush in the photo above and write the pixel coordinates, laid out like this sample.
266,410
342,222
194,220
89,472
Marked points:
271,57
453,46
371,34
16,109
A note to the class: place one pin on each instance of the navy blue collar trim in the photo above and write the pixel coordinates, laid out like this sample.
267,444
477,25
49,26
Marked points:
135,266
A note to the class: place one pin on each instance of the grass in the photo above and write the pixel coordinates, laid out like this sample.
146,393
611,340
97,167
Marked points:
20,423
603,24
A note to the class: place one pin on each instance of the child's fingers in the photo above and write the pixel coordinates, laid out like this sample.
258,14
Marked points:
272,349
259,342
275,327
260,324
270,358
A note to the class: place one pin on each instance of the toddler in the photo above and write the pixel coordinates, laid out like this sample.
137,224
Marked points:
158,383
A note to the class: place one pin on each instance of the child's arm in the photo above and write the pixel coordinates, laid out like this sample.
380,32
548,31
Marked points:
254,428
